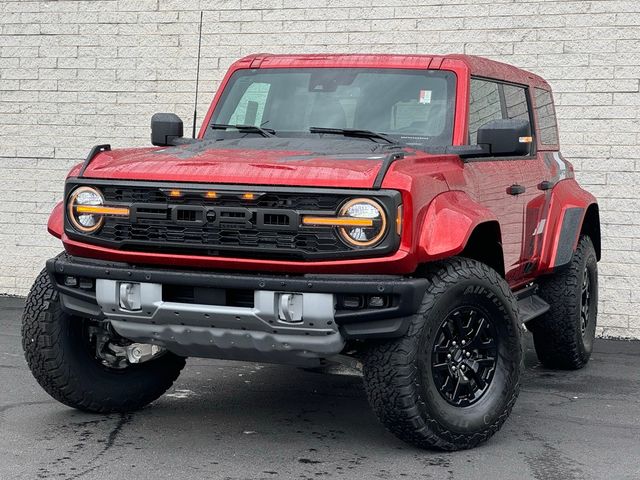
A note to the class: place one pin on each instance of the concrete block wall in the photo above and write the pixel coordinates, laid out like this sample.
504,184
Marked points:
77,73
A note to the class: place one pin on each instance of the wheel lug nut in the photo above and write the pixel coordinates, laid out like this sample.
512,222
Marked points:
449,356
468,354
453,368
453,343
463,342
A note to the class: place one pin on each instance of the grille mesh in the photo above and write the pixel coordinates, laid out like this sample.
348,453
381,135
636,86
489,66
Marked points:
163,235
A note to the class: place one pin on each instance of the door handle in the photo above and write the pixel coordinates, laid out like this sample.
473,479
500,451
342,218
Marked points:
515,189
546,185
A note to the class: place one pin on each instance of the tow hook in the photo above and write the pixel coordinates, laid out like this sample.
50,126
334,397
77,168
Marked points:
290,308
141,352
116,352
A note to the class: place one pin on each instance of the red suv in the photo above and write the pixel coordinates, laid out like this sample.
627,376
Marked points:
411,212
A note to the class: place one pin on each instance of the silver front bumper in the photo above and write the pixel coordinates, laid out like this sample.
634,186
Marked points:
281,327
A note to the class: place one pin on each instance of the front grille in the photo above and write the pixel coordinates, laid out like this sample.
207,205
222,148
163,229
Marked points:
228,225
183,239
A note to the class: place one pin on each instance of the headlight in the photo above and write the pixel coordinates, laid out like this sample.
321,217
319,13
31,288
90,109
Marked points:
82,209
363,236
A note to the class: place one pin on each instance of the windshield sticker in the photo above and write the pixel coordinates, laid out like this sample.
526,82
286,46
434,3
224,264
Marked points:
425,97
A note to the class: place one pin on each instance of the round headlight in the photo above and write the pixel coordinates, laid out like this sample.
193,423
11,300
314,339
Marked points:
363,236
85,222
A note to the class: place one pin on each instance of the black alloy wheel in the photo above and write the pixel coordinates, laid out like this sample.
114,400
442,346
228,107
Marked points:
464,356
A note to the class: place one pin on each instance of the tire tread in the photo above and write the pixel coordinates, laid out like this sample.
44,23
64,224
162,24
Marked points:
41,340
390,369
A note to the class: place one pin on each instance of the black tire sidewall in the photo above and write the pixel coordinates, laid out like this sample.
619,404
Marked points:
585,342
485,412
61,358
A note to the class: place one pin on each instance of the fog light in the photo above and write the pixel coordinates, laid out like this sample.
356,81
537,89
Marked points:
70,281
352,301
376,301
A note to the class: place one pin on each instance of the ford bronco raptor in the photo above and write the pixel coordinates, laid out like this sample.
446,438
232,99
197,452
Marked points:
410,212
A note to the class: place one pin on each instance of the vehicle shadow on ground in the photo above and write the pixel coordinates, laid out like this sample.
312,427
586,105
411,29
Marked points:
219,399
237,420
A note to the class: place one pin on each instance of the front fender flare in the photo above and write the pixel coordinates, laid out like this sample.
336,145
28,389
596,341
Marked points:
447,223
55,225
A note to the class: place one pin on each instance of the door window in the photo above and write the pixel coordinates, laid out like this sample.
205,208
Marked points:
495,101
515,99
484,106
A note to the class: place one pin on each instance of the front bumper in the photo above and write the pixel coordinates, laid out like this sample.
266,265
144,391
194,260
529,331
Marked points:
208,325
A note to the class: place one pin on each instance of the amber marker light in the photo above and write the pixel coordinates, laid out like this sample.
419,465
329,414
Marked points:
338,221
399,220
100,210
248,196
525,139
211,195
175,193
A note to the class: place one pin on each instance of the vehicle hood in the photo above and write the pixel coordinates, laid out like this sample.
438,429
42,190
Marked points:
324,162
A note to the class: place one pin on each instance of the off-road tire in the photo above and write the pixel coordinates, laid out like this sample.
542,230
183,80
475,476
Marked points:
557,335
400,388
60,359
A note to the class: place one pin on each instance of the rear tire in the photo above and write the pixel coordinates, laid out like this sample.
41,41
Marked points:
410,380
563,337
60,358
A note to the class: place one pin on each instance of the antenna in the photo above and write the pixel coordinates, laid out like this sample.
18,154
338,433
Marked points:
195,103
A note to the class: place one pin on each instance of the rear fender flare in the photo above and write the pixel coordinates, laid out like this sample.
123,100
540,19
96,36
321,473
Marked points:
569,207
447,223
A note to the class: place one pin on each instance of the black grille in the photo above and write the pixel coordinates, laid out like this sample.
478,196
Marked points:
183,239
228,225
159,232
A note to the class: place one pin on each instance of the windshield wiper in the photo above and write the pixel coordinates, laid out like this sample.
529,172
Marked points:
354,132
265,132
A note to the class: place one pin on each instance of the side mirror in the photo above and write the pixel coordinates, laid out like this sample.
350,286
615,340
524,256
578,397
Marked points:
165,129
506,137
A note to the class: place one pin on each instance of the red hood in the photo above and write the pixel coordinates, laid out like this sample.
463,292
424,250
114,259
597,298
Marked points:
241,166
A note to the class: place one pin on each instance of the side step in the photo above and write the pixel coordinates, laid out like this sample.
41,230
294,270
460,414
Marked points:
530,305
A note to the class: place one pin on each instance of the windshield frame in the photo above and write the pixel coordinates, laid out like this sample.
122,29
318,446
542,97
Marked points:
447,137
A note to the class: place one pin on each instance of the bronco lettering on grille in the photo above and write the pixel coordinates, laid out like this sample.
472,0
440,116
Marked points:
220,217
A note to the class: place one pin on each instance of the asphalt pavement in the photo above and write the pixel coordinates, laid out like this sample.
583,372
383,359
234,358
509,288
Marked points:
231,420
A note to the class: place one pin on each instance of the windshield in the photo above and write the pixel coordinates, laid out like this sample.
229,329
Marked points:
414,107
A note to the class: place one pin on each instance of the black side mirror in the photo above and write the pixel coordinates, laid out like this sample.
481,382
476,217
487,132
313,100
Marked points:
506,137
165,129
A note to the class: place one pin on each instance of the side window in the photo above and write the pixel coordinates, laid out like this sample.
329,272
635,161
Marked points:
547,123
484,106
515,99
251,106
494,101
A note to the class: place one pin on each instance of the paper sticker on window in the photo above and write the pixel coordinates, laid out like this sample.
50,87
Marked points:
425,96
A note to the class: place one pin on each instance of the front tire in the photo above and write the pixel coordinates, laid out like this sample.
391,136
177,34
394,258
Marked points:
61,359
451,381
563,337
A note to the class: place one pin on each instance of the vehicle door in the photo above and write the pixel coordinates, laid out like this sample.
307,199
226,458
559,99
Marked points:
497,182
540,173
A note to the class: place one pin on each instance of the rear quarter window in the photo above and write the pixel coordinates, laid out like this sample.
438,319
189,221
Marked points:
547,123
